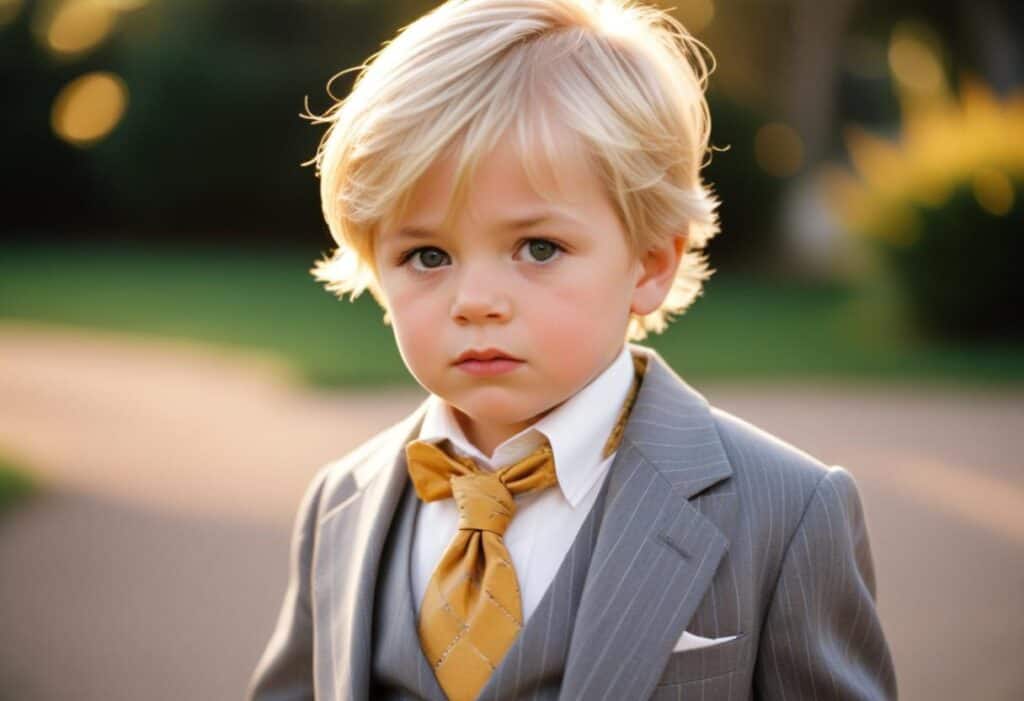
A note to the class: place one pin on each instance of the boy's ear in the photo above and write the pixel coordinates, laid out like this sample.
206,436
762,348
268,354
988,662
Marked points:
657,271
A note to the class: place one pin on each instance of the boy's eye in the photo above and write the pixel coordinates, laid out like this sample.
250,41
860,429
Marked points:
542,249
430,257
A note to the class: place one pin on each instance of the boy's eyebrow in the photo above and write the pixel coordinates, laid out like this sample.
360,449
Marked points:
418,232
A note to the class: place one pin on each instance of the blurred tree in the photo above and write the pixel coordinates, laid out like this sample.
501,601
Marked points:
211,143
750,196
47,184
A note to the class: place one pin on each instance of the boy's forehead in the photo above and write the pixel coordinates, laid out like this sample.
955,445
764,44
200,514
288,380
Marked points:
512,187
412,228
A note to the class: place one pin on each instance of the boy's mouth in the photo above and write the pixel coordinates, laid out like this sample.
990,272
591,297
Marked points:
487,362
485,354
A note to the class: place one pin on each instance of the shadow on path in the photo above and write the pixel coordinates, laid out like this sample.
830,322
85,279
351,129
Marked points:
105,600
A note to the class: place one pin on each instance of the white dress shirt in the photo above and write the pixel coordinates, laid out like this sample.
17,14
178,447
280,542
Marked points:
546,522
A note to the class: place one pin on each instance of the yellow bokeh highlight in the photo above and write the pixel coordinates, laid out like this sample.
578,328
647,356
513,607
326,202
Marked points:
915,65
974,140
79,25
124,5
994,191
778,149
89,107
9,9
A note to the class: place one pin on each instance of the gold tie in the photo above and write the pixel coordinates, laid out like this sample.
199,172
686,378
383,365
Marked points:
472,610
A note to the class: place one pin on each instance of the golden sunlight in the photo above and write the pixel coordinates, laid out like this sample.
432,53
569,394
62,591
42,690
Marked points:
124,5
89,107
79,25
914,61
974,140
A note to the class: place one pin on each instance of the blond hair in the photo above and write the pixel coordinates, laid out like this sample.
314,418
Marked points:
618,74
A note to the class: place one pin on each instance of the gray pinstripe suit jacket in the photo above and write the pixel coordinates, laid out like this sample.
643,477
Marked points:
711,525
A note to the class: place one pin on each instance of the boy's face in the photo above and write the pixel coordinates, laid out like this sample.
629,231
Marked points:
555,294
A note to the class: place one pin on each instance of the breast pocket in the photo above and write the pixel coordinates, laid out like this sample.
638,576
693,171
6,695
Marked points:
704,662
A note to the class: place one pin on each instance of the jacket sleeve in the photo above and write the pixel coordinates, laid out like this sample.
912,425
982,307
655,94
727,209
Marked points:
822,638
285,671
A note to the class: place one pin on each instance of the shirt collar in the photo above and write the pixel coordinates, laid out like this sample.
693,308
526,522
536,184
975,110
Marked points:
577,430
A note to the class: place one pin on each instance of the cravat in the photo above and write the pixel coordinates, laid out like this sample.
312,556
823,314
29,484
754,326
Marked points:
472,610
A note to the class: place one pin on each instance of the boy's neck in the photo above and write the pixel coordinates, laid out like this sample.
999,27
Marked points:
486,436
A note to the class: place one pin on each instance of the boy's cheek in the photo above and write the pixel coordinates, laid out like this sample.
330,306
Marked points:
419,338
582,308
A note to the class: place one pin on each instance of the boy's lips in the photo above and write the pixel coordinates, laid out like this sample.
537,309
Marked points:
485,354
486,362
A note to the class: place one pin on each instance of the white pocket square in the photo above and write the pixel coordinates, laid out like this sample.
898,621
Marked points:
689,641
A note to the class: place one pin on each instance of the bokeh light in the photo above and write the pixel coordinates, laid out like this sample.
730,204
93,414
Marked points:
124,5
89,107
76,26
914,61
779,150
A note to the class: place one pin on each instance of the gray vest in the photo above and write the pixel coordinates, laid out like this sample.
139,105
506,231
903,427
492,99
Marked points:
531,669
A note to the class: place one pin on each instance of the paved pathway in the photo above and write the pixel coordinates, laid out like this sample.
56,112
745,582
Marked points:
154,565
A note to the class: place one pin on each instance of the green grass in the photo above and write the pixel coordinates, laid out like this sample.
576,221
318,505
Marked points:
262,300
15,484
742,328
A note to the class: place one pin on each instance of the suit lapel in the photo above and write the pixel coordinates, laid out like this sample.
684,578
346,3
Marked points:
656,553
351,540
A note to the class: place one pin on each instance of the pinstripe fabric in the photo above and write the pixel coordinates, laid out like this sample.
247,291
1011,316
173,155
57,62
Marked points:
709,525
531,669
400,670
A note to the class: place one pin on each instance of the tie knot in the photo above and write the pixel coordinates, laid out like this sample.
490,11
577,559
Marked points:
485,499
484,503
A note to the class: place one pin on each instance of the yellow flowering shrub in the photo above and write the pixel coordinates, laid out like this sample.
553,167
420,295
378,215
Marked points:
943,205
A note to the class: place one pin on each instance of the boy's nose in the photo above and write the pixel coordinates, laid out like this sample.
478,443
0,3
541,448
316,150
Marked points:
480,297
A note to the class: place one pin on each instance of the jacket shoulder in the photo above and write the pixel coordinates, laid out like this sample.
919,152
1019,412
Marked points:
776,485
767,467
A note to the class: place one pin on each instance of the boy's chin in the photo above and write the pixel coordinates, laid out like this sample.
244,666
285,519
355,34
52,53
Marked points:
496,412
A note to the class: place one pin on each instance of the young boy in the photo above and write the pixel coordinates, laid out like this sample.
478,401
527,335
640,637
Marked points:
517,184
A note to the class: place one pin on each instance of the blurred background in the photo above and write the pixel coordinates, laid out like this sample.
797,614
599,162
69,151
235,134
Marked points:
171,375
